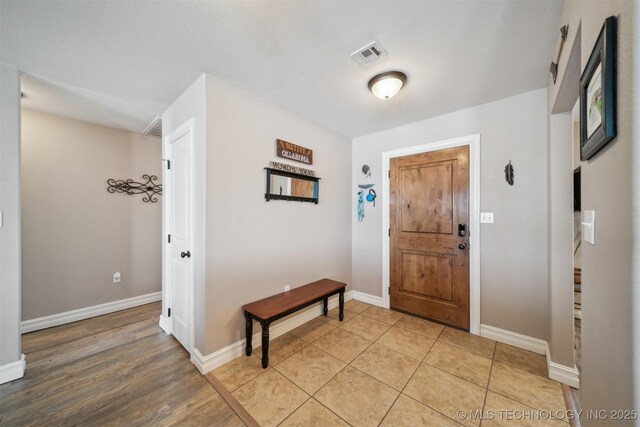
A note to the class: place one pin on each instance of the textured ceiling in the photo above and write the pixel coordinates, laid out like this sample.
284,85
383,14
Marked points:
135,57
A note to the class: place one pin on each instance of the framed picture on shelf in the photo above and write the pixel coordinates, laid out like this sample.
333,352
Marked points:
598,93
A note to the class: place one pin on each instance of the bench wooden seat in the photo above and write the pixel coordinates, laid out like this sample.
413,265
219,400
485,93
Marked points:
270,309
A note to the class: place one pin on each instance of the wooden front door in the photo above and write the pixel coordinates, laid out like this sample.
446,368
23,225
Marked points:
429,220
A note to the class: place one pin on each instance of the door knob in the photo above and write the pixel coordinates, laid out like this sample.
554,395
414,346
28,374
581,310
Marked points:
185,254
462,246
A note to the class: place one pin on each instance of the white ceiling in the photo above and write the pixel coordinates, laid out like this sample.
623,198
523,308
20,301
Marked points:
82,104
134,58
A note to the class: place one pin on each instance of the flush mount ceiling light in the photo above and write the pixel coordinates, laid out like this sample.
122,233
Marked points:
387,84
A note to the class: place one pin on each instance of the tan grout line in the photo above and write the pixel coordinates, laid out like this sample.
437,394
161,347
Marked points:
423,362
512,398
295,385
294,411
362,336
374,318
466,349
327,382
354,358
486,391
418,333
518,367
527,372
454,375
401,391
337,373
518,402
432,408
410,378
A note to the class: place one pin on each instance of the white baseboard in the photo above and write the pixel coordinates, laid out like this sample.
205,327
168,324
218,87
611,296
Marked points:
512,338
218,358
562,373
368,298
87,312
557,372
12,371
165,325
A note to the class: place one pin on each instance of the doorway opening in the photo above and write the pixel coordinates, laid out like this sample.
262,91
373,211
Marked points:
91,213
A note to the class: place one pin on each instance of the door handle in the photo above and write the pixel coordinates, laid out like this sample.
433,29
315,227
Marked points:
462,246
185,254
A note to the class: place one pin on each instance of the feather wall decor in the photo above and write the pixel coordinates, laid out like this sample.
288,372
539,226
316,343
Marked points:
508,173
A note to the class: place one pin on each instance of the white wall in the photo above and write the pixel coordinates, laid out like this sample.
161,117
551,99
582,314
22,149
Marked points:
247,248
191,105
513,249
10,207
255,247
75,234
560,240
610,319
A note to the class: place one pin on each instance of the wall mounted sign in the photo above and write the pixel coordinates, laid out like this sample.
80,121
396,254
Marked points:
292,169
287,150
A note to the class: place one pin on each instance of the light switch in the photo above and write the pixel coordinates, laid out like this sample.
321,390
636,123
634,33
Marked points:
486,217
589,227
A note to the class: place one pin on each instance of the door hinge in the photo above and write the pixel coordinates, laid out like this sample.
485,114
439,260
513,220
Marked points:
168,238
168,164
389,289
169,312
389,173
389,230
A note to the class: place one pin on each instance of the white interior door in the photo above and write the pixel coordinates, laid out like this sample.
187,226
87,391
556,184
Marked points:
180,221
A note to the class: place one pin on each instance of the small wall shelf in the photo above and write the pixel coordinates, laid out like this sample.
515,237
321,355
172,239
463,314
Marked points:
293,187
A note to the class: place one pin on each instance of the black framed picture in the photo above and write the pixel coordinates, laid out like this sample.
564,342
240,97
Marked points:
598,93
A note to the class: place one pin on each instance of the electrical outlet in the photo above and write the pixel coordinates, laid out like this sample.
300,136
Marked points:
287,288
117,278
486,217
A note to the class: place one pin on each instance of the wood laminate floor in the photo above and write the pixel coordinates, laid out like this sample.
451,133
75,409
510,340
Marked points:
120,369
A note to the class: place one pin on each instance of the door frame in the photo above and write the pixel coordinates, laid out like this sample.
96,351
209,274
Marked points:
473,141
166,323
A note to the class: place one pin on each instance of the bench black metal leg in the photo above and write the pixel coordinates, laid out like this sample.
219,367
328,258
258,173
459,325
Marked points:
341,299
265,344
249,330
325,309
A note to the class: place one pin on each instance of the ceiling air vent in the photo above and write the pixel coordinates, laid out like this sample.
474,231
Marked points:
154,128
369,54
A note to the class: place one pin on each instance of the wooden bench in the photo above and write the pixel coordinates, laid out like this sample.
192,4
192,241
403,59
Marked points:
275,307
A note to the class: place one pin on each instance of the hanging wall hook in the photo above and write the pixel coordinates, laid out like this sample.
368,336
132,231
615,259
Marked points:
553,68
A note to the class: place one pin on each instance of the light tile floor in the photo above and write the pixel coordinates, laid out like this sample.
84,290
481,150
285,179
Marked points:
381,367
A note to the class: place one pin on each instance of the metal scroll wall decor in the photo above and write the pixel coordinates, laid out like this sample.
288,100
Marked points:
149,188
